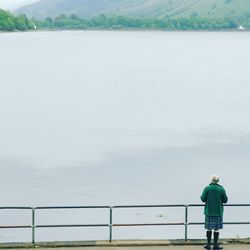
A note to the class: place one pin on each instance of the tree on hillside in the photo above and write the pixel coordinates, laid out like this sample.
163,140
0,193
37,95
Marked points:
22,22
7,21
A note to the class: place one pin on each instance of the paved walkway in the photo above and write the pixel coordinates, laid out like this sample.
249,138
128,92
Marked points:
226,247
242,244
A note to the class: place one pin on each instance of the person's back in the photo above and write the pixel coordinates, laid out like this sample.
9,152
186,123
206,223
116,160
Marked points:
214,195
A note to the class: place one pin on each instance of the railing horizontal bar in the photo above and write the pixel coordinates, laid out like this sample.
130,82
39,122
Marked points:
228,223
145,206
73,225
121,206
148,224
28,226
236,205
196,223
196,205
70,207
28,208
236,223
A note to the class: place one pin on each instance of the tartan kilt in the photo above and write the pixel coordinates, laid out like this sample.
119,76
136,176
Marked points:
213,222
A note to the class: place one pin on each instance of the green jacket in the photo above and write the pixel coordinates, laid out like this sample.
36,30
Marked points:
214,195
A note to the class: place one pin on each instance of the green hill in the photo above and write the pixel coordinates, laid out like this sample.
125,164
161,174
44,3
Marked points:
238,9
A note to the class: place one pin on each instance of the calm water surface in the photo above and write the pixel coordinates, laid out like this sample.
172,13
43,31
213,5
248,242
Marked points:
106,118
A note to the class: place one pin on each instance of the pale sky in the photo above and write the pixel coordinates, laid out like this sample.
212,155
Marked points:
12,4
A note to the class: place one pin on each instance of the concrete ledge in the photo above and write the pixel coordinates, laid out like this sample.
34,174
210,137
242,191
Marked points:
134,243
119,243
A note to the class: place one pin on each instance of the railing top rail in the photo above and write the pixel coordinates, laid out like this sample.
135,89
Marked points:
120,206
69,207
237,205
226,205
176,205
28,208
145,206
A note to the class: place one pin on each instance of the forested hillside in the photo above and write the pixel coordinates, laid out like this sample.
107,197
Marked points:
9,22
214,9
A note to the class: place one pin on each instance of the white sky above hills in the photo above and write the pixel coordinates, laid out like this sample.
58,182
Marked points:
12,4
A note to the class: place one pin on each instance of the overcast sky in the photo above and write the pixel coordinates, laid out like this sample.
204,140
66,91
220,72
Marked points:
11,4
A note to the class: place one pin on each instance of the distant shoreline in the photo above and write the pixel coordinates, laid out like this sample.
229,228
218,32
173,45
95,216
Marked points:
12,23
127,29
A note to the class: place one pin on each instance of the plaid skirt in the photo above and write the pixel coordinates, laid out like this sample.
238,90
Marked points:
213,222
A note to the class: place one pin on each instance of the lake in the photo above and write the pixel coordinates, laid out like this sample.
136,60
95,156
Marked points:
123,117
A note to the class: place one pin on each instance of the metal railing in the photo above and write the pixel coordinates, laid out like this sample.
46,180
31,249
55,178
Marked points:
110,225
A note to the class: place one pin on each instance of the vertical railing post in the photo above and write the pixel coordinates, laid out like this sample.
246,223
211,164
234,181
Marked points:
186,222
33,225
110,223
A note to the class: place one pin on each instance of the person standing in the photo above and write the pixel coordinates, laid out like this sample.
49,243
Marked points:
214,195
